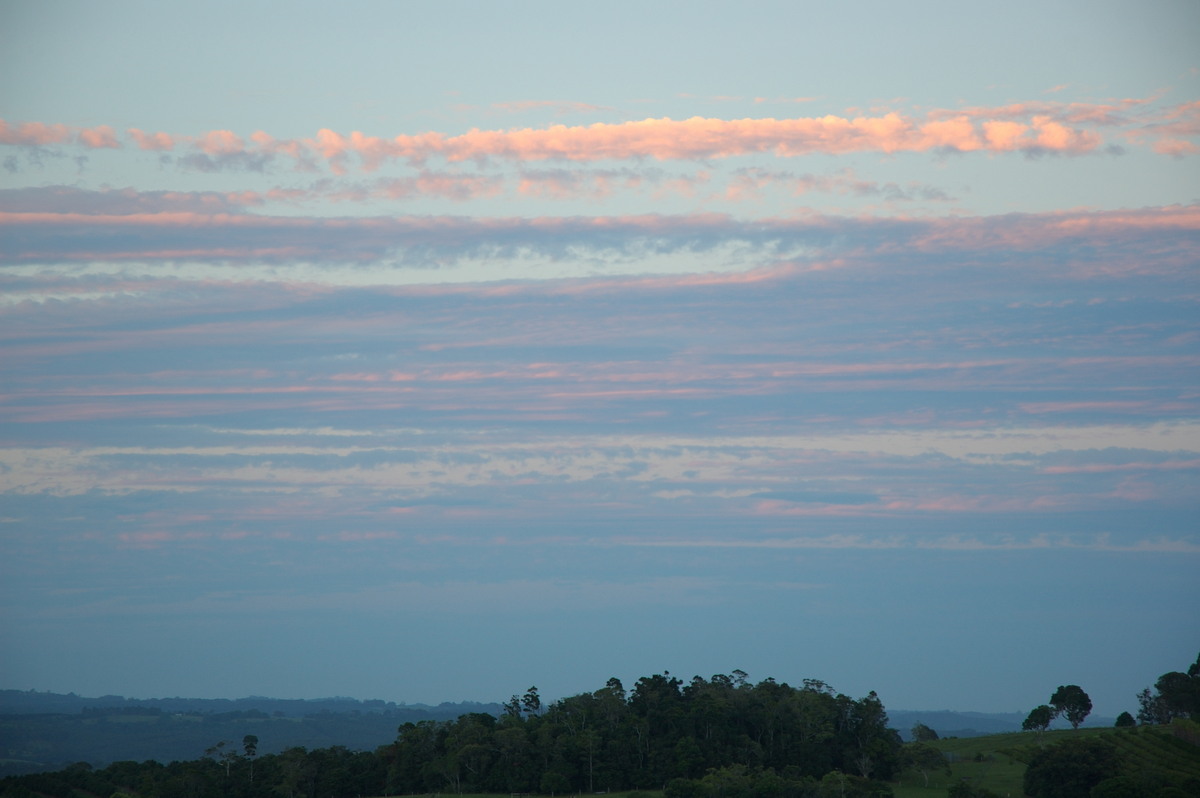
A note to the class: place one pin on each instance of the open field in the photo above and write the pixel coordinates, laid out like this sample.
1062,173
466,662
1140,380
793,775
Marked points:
997,762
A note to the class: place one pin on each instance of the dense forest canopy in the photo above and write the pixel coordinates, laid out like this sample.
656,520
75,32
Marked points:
662,729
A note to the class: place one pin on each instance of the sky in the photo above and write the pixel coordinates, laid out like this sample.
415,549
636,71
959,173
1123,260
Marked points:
427,351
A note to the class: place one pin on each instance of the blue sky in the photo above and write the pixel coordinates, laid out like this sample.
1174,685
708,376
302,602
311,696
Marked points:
427,351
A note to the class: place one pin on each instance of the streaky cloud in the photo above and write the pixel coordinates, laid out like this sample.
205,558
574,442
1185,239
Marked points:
1033,128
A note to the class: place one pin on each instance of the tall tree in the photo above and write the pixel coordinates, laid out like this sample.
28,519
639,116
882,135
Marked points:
1176,695
250,746
1180,693
1070,701
531,703
1152,710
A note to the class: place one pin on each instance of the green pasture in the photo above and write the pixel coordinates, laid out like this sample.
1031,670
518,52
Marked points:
997,762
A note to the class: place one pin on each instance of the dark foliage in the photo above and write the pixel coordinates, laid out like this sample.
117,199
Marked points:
923,734
1175,695
718,738
1071,769
1039,719
1070,701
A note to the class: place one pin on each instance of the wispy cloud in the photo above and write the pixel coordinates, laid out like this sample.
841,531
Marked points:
1175,131
951,543
558,107
1115,241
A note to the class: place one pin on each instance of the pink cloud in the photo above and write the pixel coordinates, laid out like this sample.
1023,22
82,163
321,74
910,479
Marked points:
687,139
1003,136
1033,127
1104,468
1075,407
151,141
1111,113
220,142
1176,148
1027,232
699,138
296,150
33,134
100,137
372,150
1173,132
332,147
1027,127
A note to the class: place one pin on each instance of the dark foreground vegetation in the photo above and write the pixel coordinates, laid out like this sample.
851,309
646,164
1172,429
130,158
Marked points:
718,738
661,731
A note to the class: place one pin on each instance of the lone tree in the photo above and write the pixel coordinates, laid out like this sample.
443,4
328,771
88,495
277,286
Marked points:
531,702
1071,702
1039,719
250,746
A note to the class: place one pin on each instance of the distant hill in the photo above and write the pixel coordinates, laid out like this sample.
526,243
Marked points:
33,702
48,731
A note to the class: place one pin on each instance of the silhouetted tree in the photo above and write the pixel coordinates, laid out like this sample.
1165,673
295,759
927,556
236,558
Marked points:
1176,695
250,747
1070,701
1039,719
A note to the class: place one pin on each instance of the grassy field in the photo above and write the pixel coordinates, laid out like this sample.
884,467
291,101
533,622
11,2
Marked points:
997,762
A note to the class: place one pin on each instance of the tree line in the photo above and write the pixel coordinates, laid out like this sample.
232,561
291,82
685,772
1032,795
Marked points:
1094,767
696,739
662,729
1176,694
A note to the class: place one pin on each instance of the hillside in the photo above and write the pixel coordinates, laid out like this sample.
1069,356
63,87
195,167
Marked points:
972,724
997,762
